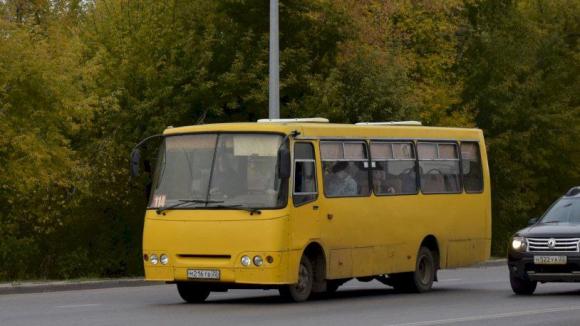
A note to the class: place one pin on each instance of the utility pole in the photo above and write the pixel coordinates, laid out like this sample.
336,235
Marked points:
274,80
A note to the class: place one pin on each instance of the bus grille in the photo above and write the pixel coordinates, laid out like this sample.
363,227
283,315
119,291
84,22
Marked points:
553,244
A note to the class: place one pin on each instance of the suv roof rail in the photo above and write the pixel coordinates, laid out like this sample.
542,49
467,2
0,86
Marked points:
390,123
309,120
574,191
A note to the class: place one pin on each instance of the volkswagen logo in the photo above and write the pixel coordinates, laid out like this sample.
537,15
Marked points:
552,243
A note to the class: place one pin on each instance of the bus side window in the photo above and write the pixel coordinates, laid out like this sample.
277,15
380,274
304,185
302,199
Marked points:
304,174
345,170
439,166
471,166
394,172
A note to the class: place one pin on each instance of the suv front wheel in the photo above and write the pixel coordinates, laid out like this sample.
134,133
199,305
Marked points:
522,286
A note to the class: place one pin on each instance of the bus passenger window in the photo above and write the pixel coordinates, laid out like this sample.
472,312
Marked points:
471,167
394,171
345,173
304,174
439,167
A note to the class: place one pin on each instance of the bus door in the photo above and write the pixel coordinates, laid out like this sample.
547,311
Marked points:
305,224
345,212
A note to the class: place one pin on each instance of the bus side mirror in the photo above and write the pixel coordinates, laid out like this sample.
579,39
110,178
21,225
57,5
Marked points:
532,221
284,166
135,162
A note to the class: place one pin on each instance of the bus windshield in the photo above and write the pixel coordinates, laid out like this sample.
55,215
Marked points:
218,170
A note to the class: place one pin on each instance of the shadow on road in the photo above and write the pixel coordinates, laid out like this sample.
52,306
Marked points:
553,294
344,294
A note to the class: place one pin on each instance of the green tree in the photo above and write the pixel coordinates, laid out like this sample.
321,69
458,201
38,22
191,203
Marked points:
398,63
522,68
42,108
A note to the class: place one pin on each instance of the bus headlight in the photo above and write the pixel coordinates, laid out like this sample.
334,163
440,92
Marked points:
258,261
153,259
519,243
246,261
164,259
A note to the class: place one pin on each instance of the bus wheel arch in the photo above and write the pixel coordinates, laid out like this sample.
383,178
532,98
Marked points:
311,275
317,256
430,242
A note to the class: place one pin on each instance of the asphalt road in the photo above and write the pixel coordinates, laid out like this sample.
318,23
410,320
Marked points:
472,296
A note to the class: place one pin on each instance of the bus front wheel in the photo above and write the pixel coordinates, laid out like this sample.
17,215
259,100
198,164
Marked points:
419,281
192,292
300,291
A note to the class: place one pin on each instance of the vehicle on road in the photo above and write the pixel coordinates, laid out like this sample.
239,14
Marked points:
303,206
548,249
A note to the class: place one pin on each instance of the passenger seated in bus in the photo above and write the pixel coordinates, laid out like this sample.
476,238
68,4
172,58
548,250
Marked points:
433,182
385,184
341,182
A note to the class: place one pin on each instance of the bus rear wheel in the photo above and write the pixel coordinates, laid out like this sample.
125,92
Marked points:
192,292
302,290
419,281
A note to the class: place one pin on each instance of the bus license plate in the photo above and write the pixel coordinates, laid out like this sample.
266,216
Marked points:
550,260
203,274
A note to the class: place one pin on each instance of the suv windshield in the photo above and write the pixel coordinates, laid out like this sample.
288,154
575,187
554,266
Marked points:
566,210
218,170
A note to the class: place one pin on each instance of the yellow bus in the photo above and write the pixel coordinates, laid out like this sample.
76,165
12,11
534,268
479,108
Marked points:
303,205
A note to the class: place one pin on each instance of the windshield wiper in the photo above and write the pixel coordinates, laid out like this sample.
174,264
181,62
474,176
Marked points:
187,201
239,207
547,222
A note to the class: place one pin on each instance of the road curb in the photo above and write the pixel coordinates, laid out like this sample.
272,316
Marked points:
493,262
55,286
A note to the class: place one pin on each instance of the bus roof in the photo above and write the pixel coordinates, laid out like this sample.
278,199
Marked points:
334,130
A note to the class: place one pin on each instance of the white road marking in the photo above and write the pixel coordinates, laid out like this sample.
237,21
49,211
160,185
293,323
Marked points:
489,317
451,280
79,305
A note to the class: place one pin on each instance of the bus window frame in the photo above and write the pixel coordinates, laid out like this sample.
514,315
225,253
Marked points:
476,142
294,160
366,163
413,144
459,160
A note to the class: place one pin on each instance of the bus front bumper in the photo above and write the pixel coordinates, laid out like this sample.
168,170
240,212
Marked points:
228,271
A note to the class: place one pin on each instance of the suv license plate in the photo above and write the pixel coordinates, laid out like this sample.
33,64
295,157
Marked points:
550,260
203,274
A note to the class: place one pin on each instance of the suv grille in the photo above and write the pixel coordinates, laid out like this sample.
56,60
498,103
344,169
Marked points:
553,244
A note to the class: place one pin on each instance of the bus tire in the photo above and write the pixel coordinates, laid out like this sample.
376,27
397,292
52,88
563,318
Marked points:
192,292
522,286
302,290
421,280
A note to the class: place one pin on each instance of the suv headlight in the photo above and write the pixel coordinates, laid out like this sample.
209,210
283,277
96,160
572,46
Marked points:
519,243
